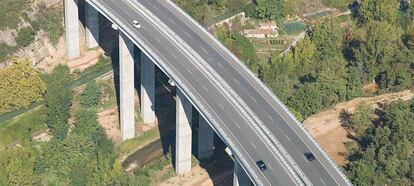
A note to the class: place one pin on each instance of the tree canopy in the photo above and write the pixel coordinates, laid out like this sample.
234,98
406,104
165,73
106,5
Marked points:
20,85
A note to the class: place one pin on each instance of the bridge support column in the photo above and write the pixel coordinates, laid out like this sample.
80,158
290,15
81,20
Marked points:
240,177
72,28
183,134
147,89
126,85
92,26
205,139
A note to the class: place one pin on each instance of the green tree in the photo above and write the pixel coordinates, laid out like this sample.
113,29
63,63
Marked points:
58,100
378,48
17,167
20,85
327,36
362,173
270,9
377,10
91,95
361,120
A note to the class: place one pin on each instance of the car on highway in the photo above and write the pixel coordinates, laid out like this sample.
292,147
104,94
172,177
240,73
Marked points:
262,166
309,156
136,24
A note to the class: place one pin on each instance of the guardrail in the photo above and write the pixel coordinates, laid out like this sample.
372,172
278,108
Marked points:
235,98
186,91
257,80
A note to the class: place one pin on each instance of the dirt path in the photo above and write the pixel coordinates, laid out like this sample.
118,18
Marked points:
326,126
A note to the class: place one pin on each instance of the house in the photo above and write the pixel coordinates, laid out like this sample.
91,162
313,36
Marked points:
267,29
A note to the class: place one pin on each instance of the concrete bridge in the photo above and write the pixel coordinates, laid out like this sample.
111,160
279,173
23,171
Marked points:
231,101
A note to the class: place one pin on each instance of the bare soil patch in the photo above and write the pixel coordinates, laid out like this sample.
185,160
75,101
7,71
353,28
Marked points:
331,135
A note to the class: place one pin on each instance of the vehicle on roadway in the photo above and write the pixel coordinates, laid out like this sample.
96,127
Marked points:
136,24
309,156
262,166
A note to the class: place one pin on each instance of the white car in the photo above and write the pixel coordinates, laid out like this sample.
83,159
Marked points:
136,24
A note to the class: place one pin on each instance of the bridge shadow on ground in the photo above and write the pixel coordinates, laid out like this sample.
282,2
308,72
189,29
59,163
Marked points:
219,167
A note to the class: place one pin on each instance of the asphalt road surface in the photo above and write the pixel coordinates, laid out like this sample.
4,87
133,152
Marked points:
237,128
270,112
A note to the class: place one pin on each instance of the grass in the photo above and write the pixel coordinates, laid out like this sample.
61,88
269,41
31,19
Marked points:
21,128
343,18
340,4
130,145
11,11
50,20
147,174
5,51
292,27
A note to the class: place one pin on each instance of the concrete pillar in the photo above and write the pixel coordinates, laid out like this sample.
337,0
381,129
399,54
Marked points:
126,85
240,177
147,89
183,134
92,27
72,28
205,139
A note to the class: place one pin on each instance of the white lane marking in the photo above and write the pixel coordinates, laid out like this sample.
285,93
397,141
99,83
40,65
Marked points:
304,158
254,146
156,8
173,55
221,106
288,137
270,117
271,167
172,21
235,80
322,181
205,88
237,124
188,35
158,40
189,71
254,99
219,64
202,48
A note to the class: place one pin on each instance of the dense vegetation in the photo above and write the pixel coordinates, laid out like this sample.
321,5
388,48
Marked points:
20,85
383,153
333,64
78,154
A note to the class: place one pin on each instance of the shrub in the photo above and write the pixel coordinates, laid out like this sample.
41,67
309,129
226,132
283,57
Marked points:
25,37
91,95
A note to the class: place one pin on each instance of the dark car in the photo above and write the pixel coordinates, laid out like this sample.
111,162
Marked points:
261,165
309,156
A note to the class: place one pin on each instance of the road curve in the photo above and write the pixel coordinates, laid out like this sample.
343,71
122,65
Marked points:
269,110
206,95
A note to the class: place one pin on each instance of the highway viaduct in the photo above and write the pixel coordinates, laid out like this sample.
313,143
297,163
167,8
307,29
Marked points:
200,85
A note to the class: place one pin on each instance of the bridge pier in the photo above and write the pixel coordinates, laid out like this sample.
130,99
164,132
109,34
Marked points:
147,89
240,177
72,28
92,26
205,139
183,134
126,86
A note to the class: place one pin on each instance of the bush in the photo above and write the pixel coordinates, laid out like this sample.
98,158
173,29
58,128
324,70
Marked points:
25,37
91,95
20,86
58,100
